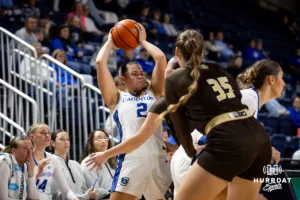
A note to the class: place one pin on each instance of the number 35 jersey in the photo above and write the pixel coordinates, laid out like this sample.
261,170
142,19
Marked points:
130,114
216,93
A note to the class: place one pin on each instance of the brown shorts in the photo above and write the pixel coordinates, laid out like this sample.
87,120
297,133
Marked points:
237,148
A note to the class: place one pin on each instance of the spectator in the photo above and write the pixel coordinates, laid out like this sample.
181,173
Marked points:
27,32
39,33
109,5
275,109
77,30
295,30
259,48
156,26
286,28
99,141
169,28
213,49
226,52
101,17
123,3
64,42
46,24
251,53
63,77
127,56
112,60
295,112
235,66
294,62
144,61
29,9
77,11
34,70
143,18
89,22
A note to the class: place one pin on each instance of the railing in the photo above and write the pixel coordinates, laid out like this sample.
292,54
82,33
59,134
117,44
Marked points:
68,103
96,115
21,69
20,108
59,96
9,129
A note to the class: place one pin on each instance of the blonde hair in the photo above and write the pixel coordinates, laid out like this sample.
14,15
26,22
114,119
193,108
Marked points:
14,143
59,51
32,129
191,47
257,73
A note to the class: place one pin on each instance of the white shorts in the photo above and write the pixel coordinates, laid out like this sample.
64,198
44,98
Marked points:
180,164
147,175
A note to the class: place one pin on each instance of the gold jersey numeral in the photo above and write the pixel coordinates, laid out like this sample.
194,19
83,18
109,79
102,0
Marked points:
220,85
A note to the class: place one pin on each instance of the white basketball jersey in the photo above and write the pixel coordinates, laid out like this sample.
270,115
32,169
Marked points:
130,114
250,98
44,182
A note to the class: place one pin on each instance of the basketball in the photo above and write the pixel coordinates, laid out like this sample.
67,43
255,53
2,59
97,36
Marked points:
125,35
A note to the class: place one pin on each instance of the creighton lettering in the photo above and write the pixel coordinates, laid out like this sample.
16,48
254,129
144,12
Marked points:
144,98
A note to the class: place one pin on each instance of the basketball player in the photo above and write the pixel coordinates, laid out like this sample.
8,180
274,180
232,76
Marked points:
237,146
147,130
265,78
60,146
143,171
17,171
47,167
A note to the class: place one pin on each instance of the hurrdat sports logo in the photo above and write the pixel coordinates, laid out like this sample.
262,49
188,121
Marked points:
272,183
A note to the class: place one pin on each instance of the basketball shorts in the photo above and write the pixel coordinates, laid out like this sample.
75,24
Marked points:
237,148
180,164
147,175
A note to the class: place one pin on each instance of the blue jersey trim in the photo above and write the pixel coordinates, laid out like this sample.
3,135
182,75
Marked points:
36,163
121,157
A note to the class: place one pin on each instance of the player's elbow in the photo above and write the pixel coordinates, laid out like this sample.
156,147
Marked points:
160,57
99,63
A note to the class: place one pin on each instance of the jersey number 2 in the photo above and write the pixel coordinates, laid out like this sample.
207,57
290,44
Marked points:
42,186
141,110
219,86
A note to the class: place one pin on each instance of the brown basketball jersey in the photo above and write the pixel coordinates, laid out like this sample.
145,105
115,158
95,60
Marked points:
217,93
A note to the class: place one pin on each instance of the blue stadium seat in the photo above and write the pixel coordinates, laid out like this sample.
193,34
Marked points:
279,142
262,117
286,125
273,122
268,130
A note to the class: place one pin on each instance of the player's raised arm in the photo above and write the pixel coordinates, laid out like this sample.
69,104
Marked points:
105,81
158,75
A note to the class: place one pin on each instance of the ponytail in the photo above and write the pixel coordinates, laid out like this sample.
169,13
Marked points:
245,80
255,76
191,90
191,48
